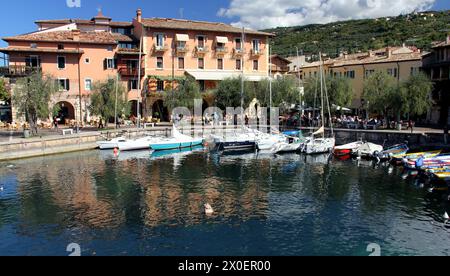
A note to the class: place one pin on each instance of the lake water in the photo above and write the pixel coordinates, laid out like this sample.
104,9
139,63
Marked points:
139,204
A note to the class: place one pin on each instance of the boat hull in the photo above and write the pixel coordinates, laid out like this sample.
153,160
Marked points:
175,145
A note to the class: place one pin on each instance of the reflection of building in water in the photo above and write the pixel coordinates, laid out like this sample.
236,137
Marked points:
70,183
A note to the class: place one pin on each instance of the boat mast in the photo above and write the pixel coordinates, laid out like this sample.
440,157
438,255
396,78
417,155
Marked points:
321,93
242,77
139,83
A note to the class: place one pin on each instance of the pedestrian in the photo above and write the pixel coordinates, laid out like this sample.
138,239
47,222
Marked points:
55,122
100,124
411,125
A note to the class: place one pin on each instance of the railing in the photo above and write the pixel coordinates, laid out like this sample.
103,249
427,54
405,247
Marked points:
221,50
238,52
201,50
131,71
160,48
18,70
182,49
254,52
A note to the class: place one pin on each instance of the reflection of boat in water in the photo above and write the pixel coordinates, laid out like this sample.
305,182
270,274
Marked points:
175,152
318,158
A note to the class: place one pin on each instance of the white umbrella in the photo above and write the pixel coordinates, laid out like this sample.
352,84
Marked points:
340,108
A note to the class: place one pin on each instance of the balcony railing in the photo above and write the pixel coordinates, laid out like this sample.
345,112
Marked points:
18,70
254,52
160,48
201,50
238,52
182,49
131,72
221,50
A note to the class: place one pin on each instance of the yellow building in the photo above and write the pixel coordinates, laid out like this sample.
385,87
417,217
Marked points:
400,62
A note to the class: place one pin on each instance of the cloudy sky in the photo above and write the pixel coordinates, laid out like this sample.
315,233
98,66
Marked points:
260,14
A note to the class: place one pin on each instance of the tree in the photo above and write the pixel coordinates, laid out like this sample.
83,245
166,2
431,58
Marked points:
32,96
381,92
416,92
183,95
103,99
340,91
285,91
4,94
228,93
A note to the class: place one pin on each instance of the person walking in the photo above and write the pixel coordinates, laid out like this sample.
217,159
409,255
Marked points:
55,122
411,125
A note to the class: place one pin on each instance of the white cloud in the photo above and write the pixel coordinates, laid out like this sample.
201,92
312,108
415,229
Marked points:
260,14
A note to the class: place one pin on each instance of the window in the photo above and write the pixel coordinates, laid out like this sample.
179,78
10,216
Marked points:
180,63
159,62
181,45
238,44
127,46
88,84
255,65
393,72
238,64
160,41
202,85
201,42
124,31
110,63
369,72
110,48
201,63
220,46
255,44
414,71
33,45
160,86
33,61
220,64
63,84
61,62
87,60
132,84
350,74
60,47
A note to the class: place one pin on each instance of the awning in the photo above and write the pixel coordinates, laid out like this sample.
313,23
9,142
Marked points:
222,39
182,37
215,75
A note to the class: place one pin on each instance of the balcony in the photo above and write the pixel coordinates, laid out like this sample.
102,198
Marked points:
201,50
238,52
256,53
182,50
221,50
131,72
160,48
16,71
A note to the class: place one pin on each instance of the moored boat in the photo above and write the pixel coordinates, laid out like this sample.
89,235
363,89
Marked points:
177,141
110,144
392,151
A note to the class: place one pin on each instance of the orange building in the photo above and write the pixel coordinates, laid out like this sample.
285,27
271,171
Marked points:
80,52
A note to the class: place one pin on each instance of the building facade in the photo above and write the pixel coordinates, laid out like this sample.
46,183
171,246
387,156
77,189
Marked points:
437,66
399,62
79,53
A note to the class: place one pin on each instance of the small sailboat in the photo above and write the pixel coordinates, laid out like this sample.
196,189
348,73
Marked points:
235,142
392,151
137,144
323,144
110,144
177,141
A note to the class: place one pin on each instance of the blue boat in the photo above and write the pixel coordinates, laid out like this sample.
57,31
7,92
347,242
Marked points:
177,141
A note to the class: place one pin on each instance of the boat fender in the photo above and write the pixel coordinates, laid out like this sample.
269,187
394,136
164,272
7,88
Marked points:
446,217
208,209
116,152
1,189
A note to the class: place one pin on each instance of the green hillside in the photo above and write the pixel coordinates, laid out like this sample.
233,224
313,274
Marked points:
418,29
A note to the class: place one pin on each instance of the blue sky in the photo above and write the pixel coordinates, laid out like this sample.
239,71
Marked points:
252,13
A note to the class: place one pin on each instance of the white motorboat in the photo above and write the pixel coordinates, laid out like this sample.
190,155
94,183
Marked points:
367,149
237,142
110,144
320,145
177,141
138,144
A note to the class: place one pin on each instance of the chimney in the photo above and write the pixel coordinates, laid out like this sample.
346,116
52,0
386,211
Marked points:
76,35
139,15
388,52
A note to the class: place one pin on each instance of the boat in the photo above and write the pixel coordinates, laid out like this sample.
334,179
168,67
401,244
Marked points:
368,150
137,144
438,162
392,151
235,142
414,156
290,144
346,149
323,144
177,141
110,144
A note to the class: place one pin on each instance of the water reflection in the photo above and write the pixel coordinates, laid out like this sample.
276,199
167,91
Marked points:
292,204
